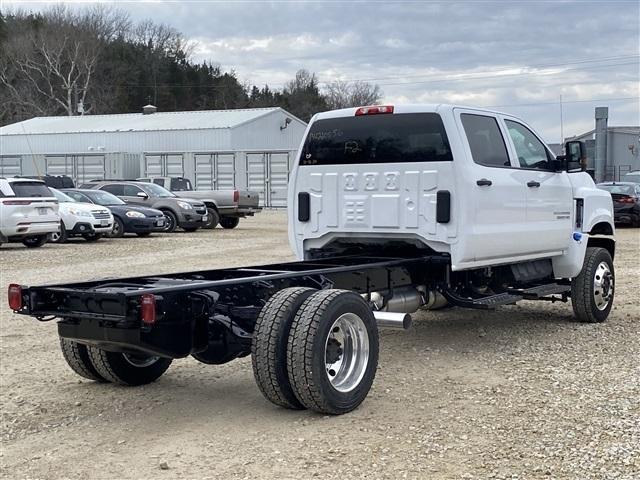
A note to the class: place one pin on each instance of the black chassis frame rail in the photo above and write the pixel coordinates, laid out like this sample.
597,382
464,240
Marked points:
210,313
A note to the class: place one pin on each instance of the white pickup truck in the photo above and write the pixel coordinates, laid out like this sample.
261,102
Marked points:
392,209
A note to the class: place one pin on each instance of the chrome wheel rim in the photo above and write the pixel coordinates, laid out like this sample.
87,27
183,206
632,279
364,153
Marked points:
116,229
55,237
139,361
346,352
602,286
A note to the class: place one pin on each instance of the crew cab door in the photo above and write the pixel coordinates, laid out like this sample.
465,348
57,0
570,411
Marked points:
549,195
495,199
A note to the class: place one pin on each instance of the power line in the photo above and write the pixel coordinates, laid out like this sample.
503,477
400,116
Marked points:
438,79
497,71
564,102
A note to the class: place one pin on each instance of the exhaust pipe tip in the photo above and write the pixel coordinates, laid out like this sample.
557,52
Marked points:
397,321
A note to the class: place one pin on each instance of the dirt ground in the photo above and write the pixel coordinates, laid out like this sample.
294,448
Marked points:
518,393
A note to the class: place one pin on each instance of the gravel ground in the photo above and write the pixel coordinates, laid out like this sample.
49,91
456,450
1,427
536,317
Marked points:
518,393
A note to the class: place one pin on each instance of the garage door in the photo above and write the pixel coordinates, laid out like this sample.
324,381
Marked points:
164,165
278,180
268,174
89,167
10,166
215,171
81,168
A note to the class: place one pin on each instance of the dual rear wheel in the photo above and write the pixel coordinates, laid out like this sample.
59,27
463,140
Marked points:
315,349
102,366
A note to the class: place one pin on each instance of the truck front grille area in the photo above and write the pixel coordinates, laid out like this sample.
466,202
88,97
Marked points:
200,210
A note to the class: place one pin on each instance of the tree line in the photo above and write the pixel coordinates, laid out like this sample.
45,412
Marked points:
96,60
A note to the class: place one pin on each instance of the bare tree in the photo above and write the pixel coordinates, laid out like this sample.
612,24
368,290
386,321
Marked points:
340,94
50,68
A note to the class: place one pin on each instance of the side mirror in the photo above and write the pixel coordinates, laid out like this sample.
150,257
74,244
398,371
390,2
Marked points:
142,195
575,158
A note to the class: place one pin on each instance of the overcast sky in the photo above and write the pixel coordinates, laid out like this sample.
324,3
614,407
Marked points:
518,56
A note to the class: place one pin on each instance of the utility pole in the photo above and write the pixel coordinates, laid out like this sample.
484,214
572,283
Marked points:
561,127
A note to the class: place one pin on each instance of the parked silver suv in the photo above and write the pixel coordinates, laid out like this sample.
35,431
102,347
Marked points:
185,213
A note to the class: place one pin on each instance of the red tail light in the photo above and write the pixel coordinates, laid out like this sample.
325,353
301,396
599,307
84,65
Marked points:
16,202
15,297
236,196
374,110
148,308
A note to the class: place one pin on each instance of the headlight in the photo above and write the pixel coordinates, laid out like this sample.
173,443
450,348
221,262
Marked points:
78,213
134,214
185,206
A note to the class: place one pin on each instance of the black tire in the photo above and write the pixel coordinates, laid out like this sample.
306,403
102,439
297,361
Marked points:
213,220
172,221
229,222
92,237
585,295
118,229
35,241
143,234
308,352
60,237
269,346
118,367
77,357
191,229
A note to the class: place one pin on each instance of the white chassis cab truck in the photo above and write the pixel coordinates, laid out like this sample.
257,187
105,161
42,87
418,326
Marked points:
392,209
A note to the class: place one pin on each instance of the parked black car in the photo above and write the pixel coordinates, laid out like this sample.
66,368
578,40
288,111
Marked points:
127,218
626,201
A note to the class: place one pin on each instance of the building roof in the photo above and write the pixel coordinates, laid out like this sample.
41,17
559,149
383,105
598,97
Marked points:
137,122
633,130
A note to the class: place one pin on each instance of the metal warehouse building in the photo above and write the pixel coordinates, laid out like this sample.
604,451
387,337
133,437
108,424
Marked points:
219,149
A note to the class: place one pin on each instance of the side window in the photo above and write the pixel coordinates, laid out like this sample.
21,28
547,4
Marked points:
116,189
531,151
131,190
485,140
159,181
78,197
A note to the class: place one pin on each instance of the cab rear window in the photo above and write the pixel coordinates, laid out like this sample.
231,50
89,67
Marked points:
384,138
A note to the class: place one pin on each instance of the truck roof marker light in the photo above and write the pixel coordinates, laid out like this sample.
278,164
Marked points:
374,110
15,297
148,308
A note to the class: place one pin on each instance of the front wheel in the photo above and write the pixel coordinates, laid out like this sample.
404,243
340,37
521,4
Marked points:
332,351
118,228
126,368
593,289
171,221
229,222
35,241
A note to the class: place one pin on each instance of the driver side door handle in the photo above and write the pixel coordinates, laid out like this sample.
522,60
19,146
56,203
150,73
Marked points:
533,184
483,182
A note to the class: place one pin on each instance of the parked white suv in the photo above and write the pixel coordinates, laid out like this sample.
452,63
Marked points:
87,220
28,212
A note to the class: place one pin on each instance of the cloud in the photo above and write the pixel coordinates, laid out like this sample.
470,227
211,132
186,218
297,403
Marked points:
519,55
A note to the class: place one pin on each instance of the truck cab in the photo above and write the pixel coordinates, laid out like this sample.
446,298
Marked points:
476,184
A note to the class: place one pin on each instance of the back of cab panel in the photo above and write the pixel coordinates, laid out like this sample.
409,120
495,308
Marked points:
372,176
